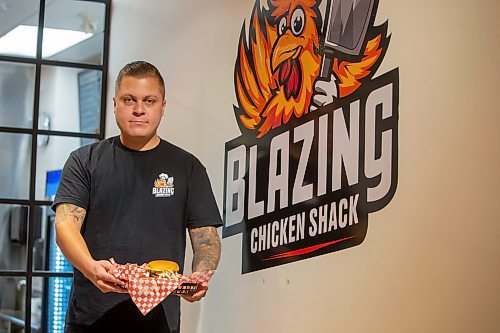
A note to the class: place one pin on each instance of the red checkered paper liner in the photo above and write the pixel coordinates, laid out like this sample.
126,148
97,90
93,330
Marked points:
148,292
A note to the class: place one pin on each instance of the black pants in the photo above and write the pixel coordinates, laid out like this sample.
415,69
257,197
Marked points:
126,317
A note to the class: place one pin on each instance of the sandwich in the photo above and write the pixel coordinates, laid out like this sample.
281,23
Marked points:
162,269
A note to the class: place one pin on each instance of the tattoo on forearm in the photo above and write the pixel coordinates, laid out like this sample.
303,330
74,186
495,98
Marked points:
72,213
206,248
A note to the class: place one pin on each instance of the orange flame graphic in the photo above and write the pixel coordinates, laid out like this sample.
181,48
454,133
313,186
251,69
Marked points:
349,73
160,182
276,69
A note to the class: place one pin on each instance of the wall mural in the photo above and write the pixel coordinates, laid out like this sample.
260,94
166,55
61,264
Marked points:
318,149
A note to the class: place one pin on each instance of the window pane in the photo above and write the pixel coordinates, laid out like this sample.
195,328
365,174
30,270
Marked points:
13,236
37,303
16,94
12,302
40,243
70,99
19,28
74,31
50,160
54,292
15,159
46,254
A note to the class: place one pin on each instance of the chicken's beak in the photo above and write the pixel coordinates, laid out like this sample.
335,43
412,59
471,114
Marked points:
286,47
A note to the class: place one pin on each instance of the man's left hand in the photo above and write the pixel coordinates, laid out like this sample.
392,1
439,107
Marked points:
200,292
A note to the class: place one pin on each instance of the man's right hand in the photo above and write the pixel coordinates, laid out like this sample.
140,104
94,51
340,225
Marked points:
98,273
69,221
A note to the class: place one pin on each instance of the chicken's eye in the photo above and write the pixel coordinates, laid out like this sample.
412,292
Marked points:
282,26
297,24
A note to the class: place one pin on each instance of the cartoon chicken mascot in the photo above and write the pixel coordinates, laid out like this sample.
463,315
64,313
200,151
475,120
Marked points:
277,69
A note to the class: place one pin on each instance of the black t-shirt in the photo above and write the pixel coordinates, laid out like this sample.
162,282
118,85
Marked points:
139,204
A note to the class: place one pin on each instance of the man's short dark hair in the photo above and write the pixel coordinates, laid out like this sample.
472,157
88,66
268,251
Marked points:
140,69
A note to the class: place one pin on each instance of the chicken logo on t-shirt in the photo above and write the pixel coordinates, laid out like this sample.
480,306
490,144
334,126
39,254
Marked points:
163,186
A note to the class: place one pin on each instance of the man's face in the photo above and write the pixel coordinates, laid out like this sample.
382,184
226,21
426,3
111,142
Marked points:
139,107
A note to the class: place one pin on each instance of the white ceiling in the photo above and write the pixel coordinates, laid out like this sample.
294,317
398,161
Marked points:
62,14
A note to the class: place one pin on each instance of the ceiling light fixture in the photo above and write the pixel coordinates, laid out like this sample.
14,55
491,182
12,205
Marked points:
21,41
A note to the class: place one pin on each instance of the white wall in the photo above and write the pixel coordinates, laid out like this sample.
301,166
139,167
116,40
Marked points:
429,262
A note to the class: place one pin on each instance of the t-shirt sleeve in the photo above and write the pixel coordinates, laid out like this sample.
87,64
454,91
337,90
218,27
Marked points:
201,205
74,186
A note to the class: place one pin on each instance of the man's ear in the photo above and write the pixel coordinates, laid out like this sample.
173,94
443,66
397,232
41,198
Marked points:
164,107
114,102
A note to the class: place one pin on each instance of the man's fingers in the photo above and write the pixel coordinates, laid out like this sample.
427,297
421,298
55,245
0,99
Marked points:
195,297
113,279
119,290
103,280
199,294
107,287
201,291
106,264
108,278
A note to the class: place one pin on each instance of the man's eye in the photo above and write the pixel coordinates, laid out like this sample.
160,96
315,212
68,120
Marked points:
127,100
150,101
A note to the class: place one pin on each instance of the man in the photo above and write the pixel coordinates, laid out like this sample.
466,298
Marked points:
130,199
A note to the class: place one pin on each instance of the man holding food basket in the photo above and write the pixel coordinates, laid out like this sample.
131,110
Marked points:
130,199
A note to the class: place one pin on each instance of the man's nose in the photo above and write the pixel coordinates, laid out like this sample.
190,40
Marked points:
139,108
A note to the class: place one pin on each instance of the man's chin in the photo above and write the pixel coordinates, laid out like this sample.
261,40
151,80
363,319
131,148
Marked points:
138,133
